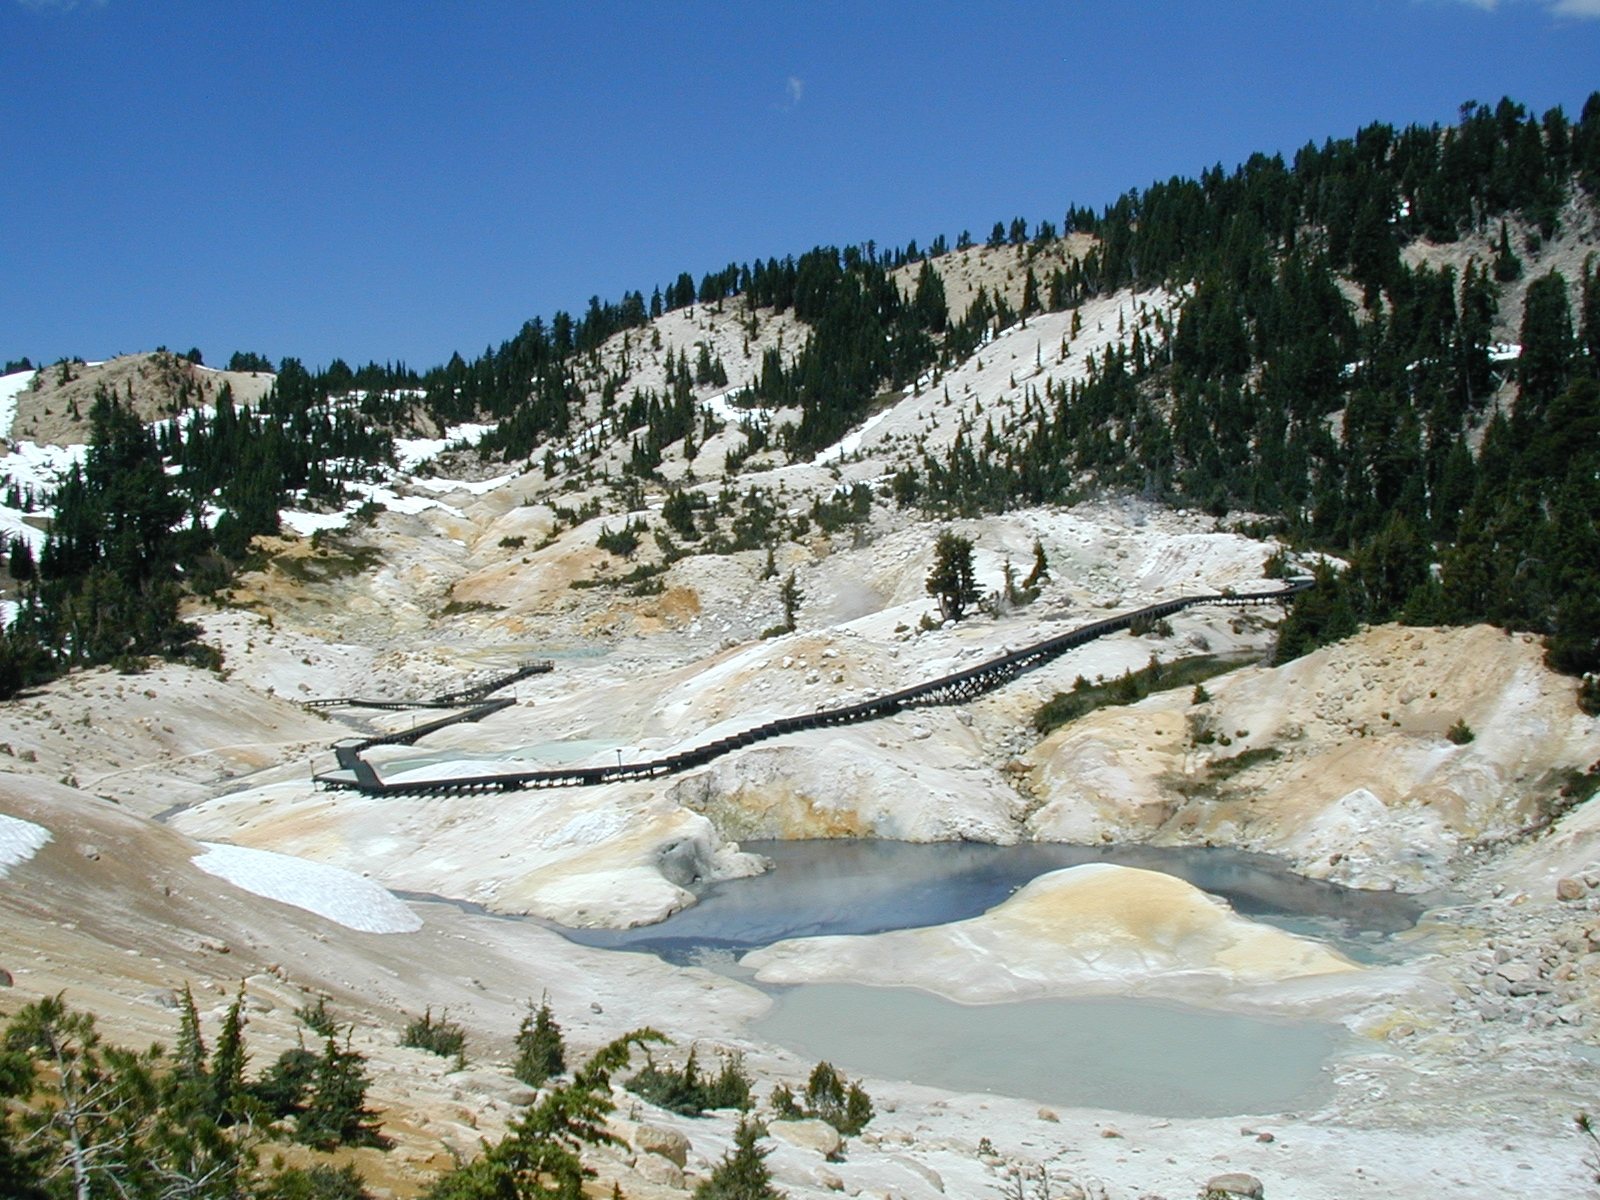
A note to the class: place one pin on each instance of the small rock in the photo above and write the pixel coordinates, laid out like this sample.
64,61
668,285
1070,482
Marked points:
1265,1138
5,978
827,1179
1110,1133
1046,1114
1569,888
664,1143
90,851
1235,1183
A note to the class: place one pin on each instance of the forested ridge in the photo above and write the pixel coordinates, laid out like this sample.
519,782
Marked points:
1315,376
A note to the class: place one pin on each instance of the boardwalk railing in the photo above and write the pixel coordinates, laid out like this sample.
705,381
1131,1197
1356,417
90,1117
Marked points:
445,699
358,775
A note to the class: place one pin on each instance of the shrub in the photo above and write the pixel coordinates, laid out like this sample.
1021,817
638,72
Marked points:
1460,733
1589,695
829,1097
1147,626
319,1182
443,1037
317,1017
689,1093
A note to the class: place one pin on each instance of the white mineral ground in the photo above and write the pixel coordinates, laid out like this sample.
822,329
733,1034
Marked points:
1462,1064
1096,929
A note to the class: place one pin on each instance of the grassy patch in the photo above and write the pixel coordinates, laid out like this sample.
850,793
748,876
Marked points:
1227,768
1131,687
327,565
458,608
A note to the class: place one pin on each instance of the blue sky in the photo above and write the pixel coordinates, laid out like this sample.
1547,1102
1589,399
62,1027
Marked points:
399,180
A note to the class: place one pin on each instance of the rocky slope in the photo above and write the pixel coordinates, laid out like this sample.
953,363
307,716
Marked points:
1466,1057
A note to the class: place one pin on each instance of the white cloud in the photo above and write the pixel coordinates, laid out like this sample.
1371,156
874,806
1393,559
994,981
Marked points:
61,6
796,88
1581,9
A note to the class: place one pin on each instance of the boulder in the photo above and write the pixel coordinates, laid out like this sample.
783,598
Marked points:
808,1135
1235,1184
1569,888
652,1168
664,1143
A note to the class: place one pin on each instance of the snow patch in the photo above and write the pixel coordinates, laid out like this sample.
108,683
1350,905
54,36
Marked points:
12,386
471,487
327,891
19,841
851,442
411,453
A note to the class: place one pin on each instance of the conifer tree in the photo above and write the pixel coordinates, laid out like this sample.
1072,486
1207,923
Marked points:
743,1173
336,1114
951,581
790,596
541,1051
20,562
226,1070
1547,344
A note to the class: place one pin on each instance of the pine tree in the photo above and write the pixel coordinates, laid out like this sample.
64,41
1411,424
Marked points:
951,581
540,1156
1547,344
336,1113
1507,266
790,596
226,1071
541,1051
20,561
743,1173
190,1052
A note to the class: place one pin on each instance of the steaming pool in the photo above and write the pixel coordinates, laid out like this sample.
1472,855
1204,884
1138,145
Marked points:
1122,1054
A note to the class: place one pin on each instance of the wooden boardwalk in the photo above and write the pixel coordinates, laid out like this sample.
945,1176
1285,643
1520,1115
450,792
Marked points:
357,774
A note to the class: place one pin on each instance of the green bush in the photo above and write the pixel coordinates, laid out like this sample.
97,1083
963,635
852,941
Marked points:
443,1037
1460,733
1589,695
828,1097
1133,686
317,1017
689,1093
